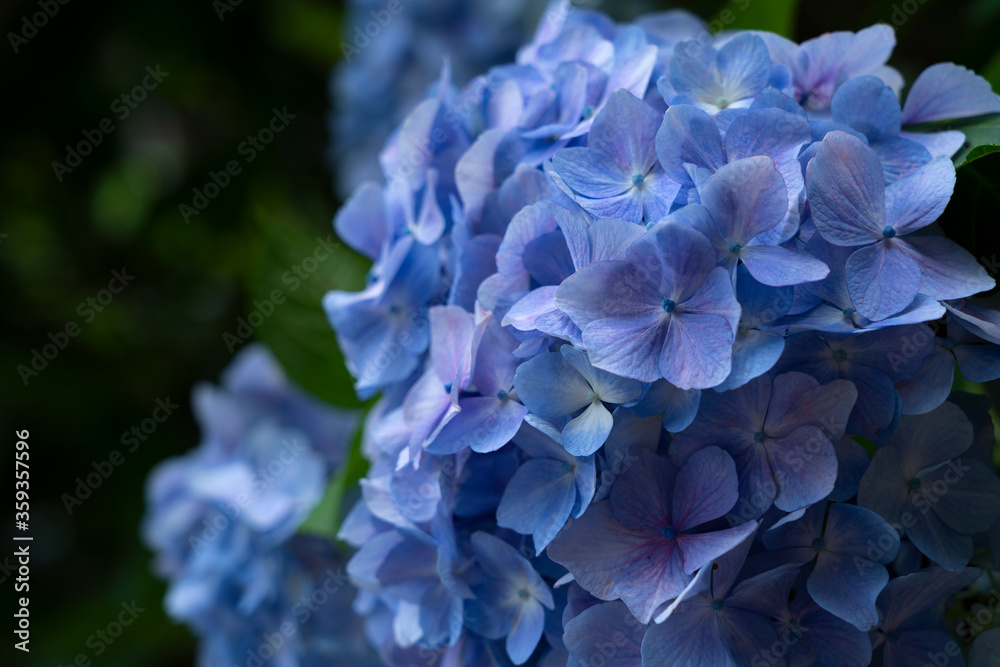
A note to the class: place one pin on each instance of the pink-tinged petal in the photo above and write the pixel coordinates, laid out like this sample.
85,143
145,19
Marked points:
947,270
797,399
882,278
846,191
947,91
611,561
778,266
640,495
705,489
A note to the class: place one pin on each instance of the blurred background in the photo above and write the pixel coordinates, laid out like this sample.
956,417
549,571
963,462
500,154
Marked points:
190,194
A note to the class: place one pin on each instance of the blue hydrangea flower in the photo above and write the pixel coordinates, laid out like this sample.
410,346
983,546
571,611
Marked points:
722,623
780,433
714,79
617,175
848,574
912,627
511,600
852,207
920,482
747,199
667,311
640,545
546,489
558,384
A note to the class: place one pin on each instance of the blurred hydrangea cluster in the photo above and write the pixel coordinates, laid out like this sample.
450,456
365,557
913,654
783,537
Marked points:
665,336
223,522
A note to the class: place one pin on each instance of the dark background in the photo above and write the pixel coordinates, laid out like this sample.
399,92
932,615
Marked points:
60,241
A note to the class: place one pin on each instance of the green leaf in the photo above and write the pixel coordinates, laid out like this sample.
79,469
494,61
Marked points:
982,136
777,16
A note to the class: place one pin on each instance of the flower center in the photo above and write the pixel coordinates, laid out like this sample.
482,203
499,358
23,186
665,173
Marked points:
669,532
502,395
637,179
914,483
523,594
759,436
818,543
892,636
848,312
735,247
889,232
840,355
668,305
722,102
717,605
949,343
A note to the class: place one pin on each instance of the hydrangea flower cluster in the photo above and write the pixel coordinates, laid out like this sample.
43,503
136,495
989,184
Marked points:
223,521
665,336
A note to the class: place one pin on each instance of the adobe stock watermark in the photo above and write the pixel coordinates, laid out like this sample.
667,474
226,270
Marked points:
88,309
30,25
293,277
130,440
248,149
121,107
